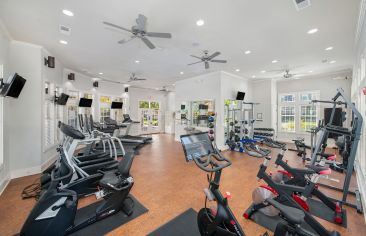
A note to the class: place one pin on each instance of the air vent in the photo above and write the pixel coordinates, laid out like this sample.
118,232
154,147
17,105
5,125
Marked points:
301,4
65,30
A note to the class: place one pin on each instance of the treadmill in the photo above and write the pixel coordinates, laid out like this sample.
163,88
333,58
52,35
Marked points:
131,138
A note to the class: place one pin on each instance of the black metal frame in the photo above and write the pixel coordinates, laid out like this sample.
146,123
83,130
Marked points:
355,134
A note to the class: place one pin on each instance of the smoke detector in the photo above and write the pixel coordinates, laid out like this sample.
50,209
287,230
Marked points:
301,4
65,30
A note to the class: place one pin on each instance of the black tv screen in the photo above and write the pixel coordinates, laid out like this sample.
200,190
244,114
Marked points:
13,86
240,96
85,102
62,99
116,105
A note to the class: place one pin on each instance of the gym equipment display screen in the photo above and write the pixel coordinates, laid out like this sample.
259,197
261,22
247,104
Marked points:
240,96
116,105
13,86
196,145
85,102
62,100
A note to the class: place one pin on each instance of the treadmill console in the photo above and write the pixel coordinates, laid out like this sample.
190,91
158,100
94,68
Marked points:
196,145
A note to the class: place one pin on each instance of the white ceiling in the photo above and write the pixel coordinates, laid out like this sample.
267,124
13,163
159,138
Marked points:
271,29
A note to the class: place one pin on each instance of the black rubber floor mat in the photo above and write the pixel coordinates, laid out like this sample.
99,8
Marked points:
181,225
319,209
110,223
270,222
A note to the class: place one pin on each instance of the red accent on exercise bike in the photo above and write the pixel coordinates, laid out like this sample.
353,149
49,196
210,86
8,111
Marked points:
364,91
232,222
325,172
213,211
285,173
286,161
338,208
246,216
227,195
269,188
301,202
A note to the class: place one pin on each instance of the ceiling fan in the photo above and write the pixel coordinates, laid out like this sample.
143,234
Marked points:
207,58
134,78
139,31
164,89
285,73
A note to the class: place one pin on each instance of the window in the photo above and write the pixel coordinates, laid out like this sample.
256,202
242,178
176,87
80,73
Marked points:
288,98
308,117
297,113
144,104
72,108
88,110
105,112
105,108
287,119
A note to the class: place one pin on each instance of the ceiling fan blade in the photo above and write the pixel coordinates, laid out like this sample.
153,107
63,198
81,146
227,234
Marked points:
159,35
111,81
215,54
196,57
195,63
207,65
141,22
140,79
219,61
148,42
126,40
116,26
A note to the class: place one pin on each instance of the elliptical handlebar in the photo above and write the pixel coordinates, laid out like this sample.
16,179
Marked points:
214,160
53,173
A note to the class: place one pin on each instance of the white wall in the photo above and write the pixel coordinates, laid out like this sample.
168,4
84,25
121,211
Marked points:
4,60
22,116
216,86
262,94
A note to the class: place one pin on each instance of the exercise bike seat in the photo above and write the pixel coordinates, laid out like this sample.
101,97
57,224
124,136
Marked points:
293,215
320,170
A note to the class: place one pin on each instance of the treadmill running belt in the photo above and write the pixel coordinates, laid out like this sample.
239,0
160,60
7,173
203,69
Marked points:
108,224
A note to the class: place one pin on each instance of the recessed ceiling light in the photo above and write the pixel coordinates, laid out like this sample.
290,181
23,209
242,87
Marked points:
247,52
263,71
137,61
332,62
182,73
253,76
100,73
310,71
173,84
313,31
67,12
329,48
237,70
63,42
126,85
274,61
200,22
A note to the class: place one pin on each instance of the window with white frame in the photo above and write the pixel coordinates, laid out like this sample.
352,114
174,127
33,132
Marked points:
105,108
72,108
118,113
49,116
296,112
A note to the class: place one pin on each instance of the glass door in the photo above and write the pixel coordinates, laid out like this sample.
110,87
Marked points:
149,117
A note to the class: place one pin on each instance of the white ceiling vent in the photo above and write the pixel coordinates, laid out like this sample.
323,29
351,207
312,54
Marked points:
65,30
301,4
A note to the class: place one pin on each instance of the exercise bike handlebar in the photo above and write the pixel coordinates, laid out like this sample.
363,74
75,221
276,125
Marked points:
217,162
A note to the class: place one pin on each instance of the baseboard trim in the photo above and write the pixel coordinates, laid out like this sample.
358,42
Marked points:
4,184
49,162
25,172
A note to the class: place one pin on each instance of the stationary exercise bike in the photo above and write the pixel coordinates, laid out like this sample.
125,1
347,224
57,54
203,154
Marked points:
56,211
221,221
